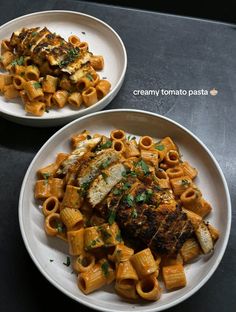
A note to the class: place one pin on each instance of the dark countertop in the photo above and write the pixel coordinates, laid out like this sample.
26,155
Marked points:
166,52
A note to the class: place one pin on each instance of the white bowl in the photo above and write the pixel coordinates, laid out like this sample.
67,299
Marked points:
102,40
211,181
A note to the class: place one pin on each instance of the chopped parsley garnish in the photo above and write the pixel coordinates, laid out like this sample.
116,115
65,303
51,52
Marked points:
90,77
105,164
22,74
108,144
126,186
143,166
158,188
104,175
60,228
34,33
105,268
112,217
160,147
71,55
19,61
118,237
105,235
67,263
83,188
116,191
46,176
92,244
129,199
185,182
141,198
37,85
130,138
134,213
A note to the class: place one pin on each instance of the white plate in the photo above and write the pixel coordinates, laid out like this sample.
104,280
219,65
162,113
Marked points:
102,40
211,181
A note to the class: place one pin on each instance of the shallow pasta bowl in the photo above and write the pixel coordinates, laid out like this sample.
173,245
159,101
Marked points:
42,249
102,40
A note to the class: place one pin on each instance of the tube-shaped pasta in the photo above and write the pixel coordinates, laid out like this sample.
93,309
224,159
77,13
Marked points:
72,197
35,108
5,80
97,62
92,238
89,96
24,97
83,46
165,145
75,99
167,260
171,158
10,92
47,99
60,158
32,73
102,88
191,198
60,97
47,171
117,134
203,209
76,242
126,276
175,172
174,276
6,58
179,185
148,288
33,90
118,146
42,189
189,170
18,82
99,275
28,61
49,84
65,83
144,262
57,187
45,69
19,70
50,205
5,46
190,250
95,78
83,262
121,253
162,178
110,234
145,142
150,156
73,39
129,293
131,149
72,218
53,225
84,83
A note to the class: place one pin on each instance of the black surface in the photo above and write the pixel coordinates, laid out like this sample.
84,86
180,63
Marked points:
163,52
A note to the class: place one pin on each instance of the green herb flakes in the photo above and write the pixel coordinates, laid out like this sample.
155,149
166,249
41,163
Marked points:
143,166
108,144
185,182
160,147
90,77
134,213
19,61
129,199
112,217
67,263
118,237
105,268
37,85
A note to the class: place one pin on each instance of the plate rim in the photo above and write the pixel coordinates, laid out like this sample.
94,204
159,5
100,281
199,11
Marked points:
224,243
86,110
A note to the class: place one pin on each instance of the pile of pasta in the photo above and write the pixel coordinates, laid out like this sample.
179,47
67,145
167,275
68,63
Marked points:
42,86
100,255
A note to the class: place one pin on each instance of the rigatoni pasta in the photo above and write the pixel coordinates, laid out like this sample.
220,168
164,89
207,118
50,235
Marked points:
129,211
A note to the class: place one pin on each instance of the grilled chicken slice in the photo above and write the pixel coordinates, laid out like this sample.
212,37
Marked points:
82,148
101,161
43,45
103,184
